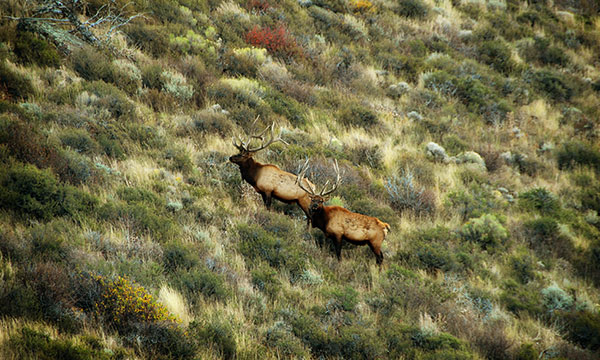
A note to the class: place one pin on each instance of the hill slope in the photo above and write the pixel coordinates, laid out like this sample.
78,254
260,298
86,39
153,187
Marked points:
471,127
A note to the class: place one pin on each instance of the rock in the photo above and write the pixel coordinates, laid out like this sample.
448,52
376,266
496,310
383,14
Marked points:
503,190
437,152
415,116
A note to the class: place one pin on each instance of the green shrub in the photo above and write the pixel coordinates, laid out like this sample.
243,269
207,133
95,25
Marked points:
344,299
541,50
147,136
556,299
486,231
111,98
33,192
497,55
92,65
32,50
521,299
526,352
554,84
358,115
177,256
79,140
257,244
140,218
435,257
210,121
218,333
287,107
161,340
574,154
583,328
202,281
178,159
15,85
280,337
36,344
413,9
264,278
522,266
474,202
541,200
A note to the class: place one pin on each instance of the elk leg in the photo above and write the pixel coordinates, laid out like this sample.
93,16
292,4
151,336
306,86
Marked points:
378,254
268,201
338,247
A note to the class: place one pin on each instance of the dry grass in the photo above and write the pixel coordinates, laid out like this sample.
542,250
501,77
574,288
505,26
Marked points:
175,303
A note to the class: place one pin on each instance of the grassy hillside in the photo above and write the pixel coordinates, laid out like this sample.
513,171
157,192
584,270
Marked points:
470,126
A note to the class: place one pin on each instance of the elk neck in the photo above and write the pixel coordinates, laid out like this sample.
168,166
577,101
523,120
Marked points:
319,218
249,169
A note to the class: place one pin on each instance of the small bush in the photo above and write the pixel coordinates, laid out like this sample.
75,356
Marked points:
14,85
277,41
474,202
36,344
92,65
523,268
161,340
176,85
521,299
79,140
202,281
541,200
405,194
554,84
344,299
497,55
358,115
122,304
486,231
152,39
583,328
32,50
413,9
33,192
218,333
556,298
280,336
264,279
177,256
257,244
576,153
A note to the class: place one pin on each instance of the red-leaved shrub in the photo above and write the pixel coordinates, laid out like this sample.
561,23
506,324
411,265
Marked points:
277,41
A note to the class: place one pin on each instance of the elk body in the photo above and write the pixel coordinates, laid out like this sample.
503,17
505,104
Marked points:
340,224
267,179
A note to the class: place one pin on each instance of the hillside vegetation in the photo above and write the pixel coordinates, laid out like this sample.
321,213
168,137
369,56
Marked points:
470,126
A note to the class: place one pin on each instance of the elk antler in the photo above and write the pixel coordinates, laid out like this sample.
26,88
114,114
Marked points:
338,181
245,145
300,180
311,190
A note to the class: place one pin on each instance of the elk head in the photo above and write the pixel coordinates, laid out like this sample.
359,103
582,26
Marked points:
246,152
317,199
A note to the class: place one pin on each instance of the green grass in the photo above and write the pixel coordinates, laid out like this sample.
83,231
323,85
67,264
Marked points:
115,182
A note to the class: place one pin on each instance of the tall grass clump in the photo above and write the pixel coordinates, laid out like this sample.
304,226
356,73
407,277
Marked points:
406,194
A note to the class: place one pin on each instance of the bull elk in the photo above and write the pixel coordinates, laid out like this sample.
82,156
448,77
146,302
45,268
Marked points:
338,223
267,179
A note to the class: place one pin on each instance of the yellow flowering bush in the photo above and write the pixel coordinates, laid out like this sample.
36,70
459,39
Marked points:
362,6
122,303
